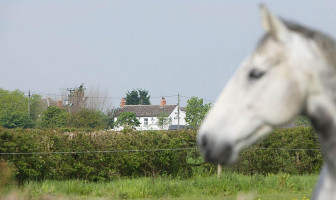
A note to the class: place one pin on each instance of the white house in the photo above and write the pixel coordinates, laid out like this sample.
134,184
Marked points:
148,115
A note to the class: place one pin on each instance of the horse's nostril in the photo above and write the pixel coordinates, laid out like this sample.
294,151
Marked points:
204,141
226,151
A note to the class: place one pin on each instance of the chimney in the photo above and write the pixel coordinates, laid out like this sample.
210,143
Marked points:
163,102
59,103
122,102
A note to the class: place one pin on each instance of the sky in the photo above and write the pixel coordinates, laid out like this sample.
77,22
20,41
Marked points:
190,47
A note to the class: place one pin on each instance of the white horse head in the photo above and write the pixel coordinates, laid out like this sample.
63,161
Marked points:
274,84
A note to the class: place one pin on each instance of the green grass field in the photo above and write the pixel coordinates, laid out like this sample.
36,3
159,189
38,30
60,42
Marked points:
229,186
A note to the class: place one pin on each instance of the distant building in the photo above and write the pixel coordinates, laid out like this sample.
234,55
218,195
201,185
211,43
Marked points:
50,102
148,115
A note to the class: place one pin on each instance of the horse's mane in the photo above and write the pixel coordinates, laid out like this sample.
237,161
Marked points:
325,43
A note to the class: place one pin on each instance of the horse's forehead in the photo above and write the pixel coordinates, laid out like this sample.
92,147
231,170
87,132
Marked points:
268,51
267,45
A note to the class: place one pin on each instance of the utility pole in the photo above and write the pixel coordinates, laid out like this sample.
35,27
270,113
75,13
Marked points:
70,90
29,103
178,111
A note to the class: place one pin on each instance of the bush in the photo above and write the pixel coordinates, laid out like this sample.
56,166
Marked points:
54,117
100,166
276,153
95,166
87,118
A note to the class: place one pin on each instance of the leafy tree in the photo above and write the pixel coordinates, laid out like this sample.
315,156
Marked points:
54,117
86,118
36,107
137,97
143,97
14,109
127,120
164,120
195,112
132,98
110,114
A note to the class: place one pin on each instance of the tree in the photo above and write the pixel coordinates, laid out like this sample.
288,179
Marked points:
143,97
97,99
195,112
164,120
14,109
86,118
137,97
110,114
128,120
78,99
132,98
54,117
36,107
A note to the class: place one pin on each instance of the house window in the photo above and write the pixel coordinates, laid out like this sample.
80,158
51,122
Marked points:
146,121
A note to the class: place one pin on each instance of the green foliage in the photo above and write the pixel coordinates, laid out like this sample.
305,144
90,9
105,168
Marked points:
110,114
137,97
281,156
195,112
14,109
143,97
95,166
36,107
86,118
164,120
128,120
302,121
54,117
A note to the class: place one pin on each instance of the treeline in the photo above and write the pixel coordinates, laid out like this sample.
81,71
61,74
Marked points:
20,111
78,110
146,153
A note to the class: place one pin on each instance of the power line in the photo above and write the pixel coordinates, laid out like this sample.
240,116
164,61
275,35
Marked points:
114,97
195,96
140,150
98,97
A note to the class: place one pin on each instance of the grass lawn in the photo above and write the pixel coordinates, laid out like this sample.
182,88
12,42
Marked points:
229,186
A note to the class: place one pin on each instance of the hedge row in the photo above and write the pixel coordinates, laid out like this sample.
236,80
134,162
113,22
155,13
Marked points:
293,151
100,166
95,166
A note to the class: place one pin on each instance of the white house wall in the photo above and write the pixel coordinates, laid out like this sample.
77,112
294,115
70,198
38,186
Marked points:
152,122
174,117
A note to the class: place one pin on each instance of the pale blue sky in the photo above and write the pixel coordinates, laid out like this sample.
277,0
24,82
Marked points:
166,47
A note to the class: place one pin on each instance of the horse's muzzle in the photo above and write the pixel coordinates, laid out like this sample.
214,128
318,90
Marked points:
214,151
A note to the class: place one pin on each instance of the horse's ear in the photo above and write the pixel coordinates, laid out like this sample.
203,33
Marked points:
273,25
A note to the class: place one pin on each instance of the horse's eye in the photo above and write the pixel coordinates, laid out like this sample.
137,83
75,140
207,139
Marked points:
256,74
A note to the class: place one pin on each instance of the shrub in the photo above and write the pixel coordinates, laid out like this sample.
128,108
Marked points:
277,153
54,117
86,118
116,163
95,166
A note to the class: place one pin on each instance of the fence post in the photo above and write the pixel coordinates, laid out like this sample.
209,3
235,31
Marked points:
219,170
